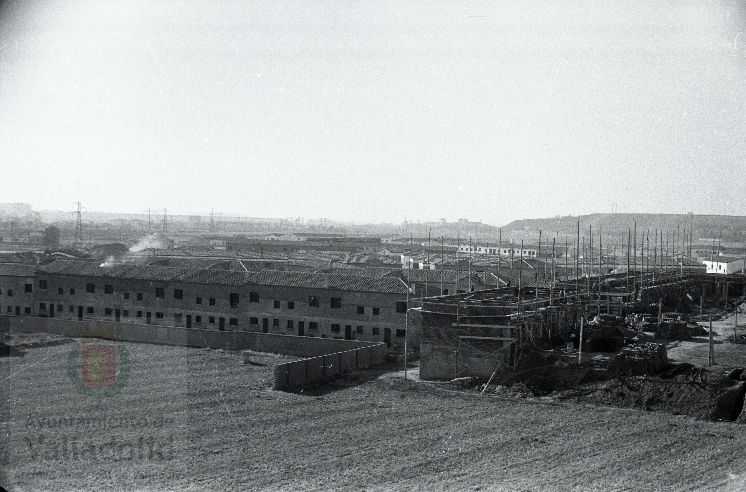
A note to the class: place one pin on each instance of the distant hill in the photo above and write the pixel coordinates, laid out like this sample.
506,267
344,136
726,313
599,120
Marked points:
705,227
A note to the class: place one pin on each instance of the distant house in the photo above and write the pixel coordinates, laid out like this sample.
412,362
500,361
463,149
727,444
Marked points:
486,249
723,265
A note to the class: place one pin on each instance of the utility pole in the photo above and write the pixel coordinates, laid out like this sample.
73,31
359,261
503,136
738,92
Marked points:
577,262
655,253
78,223
711,354
634,260
149,222
442,261
470,252
406,319
499,253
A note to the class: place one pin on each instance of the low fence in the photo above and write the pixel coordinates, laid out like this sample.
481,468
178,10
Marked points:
327,367
186,337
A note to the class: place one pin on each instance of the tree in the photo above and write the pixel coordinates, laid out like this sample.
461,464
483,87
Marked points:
51,236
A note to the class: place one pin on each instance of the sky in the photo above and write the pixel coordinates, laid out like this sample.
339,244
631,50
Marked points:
373,111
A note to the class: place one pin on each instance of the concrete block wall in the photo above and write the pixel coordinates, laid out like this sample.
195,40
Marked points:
327,367
189,337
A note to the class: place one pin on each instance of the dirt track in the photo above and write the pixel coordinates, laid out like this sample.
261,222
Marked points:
230,431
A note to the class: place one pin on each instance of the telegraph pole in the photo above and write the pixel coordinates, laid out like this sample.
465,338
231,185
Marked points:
78,223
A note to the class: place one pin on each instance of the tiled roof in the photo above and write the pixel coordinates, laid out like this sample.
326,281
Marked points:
448,276
389,285
17,270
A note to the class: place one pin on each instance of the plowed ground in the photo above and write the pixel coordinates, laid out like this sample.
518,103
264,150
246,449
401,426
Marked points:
216,424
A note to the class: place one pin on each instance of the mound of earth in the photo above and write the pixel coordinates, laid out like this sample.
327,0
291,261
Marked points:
681,389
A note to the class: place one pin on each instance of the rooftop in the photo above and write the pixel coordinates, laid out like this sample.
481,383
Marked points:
389,285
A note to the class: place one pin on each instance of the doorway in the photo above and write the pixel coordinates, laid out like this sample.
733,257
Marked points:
221,324
348,332
117,315
265,325
188,320
301,329
387,336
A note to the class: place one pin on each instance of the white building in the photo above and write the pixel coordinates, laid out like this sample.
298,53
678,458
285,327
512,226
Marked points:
527,252
724,265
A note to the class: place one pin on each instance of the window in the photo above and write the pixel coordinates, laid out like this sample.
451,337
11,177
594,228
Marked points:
139,296
233,321
359,330
10,292
212,320
107,312
374,330
126,295
233,298
27,310
90,288
336,302
401,307
159,315
71,309
108,289
400,333
361,310
291,305
212,301
89,310
253,321
42,284
290,324
60,307
276,322
376,311
126,313
335,328
177,317
9,309
276,304
253,297
28,288
178,294
313,325
313,301
43,306
198,319
72,291
139,314
159,292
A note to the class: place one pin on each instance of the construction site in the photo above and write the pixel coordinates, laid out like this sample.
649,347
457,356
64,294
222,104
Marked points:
579,332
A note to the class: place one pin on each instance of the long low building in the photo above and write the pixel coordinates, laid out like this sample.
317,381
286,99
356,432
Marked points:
293,303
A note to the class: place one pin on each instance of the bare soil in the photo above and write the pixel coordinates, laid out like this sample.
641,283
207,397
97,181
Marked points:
195,419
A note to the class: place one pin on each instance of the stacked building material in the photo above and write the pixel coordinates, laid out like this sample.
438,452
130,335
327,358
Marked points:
639,359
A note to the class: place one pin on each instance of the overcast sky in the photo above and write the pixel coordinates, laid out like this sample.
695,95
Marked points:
372,110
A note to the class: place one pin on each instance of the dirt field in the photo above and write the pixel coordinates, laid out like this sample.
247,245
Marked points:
199,419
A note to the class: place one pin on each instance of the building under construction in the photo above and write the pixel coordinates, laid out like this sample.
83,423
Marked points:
477,334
